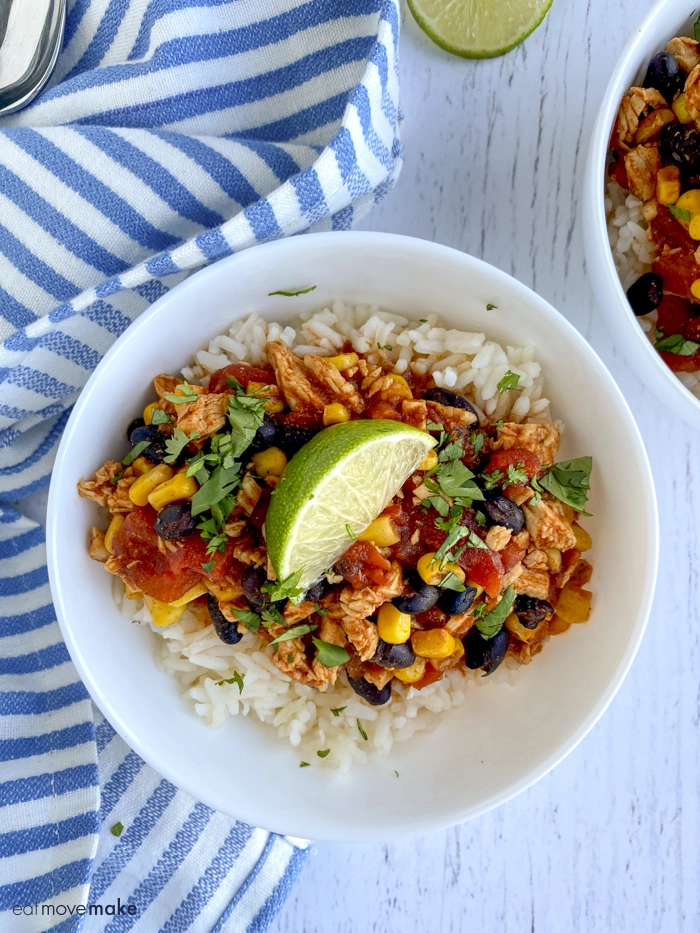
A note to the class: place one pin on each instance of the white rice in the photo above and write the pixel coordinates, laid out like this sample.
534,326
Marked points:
633,255
202,663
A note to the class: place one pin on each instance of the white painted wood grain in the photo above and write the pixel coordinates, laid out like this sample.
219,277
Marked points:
610,841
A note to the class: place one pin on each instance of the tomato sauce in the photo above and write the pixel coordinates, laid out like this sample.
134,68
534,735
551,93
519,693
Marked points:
243,374
362,565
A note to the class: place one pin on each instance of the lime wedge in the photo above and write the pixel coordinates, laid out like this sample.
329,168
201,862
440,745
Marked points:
478,28
333,488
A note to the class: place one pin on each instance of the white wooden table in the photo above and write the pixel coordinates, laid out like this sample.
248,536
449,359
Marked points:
609,841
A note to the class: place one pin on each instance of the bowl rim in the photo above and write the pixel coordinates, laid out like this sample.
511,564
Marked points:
596,242
376,241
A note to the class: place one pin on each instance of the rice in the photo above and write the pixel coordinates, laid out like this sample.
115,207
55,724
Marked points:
207,669
633,255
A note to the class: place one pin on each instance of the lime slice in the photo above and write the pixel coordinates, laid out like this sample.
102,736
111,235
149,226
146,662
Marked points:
333,488
479,28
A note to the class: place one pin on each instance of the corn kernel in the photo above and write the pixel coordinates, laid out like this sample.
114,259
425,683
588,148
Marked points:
114,526
553,559
144,485
343,360
584,542
650,127
430,461
433,643
141,466
430,571
680,109
400,387
335,413
380,532
695,289
162,613
690,201
269,462
180,486
132,593
393,627
224,592
199,589
260,388
694,227
668,184
412,674
148,412
514,625
574,604
479,589
459,649
557,625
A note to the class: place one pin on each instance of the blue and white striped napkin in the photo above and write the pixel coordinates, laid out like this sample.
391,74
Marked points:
173,132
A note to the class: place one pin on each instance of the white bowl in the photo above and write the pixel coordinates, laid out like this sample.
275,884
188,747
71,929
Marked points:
668,18
503,738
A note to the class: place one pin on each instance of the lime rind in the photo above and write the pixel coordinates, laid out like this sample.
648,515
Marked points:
453,36
333,488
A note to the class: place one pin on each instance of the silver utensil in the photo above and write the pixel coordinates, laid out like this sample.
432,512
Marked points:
31,35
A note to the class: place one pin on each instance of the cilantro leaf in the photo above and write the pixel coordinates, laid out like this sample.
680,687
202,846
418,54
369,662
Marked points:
296,632
569,481
177,443
219,485
115,479
361,730
284,589
245,414
696,29
322,754
338,710
117,829
452,582
492,623
678,345
490,307
320,610
509,383
330,655
477,441
209,566
134,452
443,554
159,416
304,764
453,451
187,395
474,541
350,533
679,213
236,679
387,346
439,504
456,481
250,619
301,291
272,616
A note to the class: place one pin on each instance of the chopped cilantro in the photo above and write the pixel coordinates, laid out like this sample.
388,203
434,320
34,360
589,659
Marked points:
439,504
304,764
444,554
492,623
186,396
453,451
236,679
679,213
474,541
509,383
284,589
159,416
250,619
134,452
320,610
209,566
350,532
696,29
322,754
490,307
361,730
117,829
386,346
177,443
301,291
481,518
658,333
115,479
330,655
245,415
338,710
456,481
569,481
477,441
272,616
452,582
678,345
296,632
396,773
219,486
423,320
514,476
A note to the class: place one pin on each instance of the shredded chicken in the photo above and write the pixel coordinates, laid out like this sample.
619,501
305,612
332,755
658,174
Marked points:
497,537
290,658
362,635
533,583
206,416
248,494
97,549
293,614
536,559
380,678
686,51
547,527
245,551
415,413
541,439
458,626
331,378
292,377
118,499
642,165
513,574
632,106
456,421
100,487
164,384
355,606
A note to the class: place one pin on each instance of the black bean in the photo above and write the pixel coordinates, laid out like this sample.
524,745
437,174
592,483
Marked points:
500,510
142,432
646,294
664,74
394,656
156,452
679,145
252,582
453,603
373,695
225,629
175,521
136,423
293,438
451,399
484,653
266,436
531,611
316,593
418,595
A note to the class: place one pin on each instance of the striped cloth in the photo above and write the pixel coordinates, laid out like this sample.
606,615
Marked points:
173,132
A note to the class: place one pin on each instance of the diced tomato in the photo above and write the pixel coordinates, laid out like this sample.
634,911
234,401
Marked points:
619,174
431,676
515,457
146,568
484,567
302,417
673,314
378,408
677,267
431,618
511,555
244,374
362,565
257,518
681,364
